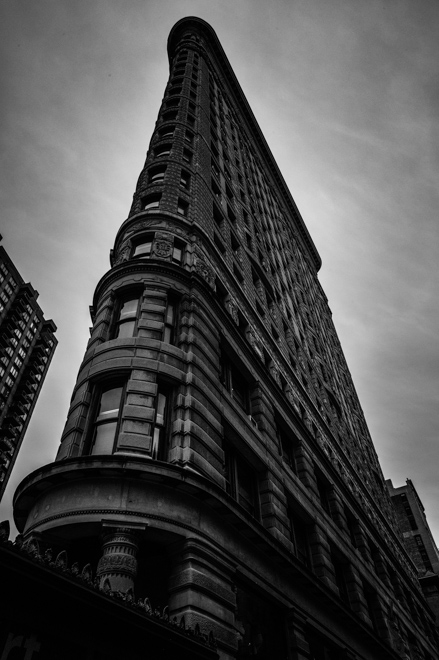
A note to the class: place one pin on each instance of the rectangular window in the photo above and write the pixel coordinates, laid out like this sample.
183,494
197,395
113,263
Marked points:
185,179
157,175
107,419
143,249
299,537
241,480
182,207
169,331
187,156
177,252
340,567
324,489
235,383
126,321
287,445
151,203
160,430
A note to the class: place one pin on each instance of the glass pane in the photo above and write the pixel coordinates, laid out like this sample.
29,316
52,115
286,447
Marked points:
151,205
176,254
126,329
169,314
104,438
246,486
143,249
155,443
160,412
129,308
110,401
168,334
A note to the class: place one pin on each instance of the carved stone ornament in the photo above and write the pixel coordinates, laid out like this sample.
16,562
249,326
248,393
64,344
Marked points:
123,254
117,563
141,224
256,344
203,268
232,308
162,248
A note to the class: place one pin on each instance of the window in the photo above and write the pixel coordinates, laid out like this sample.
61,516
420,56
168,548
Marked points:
170,115
170,321
235,383
185,179
287,445
189,137
175,90
162,151
161,424
324,489
241,479
157,175
187,156
151,202
299,537
182,207
107,419
177,252
340,567
126,321
143,249
167,132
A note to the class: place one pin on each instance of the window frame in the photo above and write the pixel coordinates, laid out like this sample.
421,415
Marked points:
161,426
146,239
110,416
232,378
151,203
170,326
237,470
129,318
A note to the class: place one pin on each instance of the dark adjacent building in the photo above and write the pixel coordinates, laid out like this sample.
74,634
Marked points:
418,539
27,344
216,459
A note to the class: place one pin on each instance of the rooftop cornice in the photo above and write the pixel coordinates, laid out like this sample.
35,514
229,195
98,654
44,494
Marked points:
209,34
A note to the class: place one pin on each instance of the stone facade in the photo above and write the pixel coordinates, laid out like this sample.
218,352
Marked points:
215,443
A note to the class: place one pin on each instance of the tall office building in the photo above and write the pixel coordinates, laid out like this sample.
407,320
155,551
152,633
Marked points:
216,458
418,539
27,344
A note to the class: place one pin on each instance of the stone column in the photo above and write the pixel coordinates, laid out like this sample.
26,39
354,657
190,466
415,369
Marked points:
202,592
305,469
117,568
321,556
298,647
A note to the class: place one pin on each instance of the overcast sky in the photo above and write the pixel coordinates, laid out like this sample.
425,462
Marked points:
347,95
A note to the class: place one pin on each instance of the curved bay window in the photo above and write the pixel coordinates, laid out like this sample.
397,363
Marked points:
143,249
107,417
126,321
157,174
151,203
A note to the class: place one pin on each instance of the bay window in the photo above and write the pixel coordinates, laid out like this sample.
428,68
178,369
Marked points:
126,321
106,420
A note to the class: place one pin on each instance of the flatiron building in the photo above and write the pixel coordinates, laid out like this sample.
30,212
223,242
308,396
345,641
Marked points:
216,458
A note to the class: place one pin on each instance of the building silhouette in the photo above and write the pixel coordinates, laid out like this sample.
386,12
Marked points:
418,539
215,457
27,344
